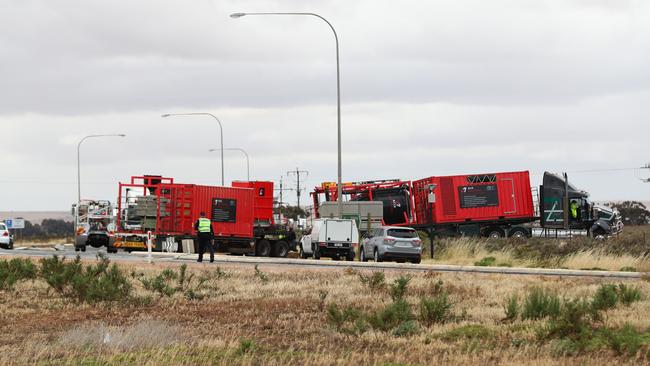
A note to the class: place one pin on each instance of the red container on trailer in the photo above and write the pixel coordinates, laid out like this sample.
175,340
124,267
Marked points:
263,199
229,208
473,198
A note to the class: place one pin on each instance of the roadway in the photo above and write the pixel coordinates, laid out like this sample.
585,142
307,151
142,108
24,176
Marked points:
224,259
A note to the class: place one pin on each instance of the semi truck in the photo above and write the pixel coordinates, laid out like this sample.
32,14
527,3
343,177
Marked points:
158,207
491,205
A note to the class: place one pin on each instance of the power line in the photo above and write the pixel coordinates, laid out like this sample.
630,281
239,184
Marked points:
297,173
282,189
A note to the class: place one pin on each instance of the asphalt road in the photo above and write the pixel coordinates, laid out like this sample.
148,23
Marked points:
222,259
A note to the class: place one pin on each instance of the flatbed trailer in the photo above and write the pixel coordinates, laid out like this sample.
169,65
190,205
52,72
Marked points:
166,210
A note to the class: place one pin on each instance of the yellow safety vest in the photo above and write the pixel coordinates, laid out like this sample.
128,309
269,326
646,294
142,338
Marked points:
574,210
204,225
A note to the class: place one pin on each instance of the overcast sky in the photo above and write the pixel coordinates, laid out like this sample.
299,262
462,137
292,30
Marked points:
428,88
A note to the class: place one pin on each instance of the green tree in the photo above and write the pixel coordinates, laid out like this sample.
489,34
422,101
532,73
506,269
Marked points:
292,212
632,212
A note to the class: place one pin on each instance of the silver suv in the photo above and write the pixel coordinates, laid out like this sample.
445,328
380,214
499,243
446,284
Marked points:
6,238
392,243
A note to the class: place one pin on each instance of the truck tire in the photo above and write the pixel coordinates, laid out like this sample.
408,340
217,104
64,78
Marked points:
280,249
494,233
350,256
263,248
363,255
518,233
417,261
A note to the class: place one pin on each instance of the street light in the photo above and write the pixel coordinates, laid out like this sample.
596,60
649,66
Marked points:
338,95
248,166
220,130
79,160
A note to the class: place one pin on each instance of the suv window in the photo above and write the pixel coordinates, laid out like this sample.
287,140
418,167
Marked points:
402,233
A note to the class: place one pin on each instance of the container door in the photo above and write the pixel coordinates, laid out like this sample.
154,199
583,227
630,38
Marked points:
509,198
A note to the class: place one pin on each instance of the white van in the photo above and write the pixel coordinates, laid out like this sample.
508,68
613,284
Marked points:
334,238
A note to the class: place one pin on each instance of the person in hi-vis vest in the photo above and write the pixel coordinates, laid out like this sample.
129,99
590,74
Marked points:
203,227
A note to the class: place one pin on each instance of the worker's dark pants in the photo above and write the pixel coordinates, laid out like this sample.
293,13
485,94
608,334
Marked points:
205,242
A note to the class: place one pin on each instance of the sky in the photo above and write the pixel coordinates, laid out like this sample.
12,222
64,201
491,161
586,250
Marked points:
427,88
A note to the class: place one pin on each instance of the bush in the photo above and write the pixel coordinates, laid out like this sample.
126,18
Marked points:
512,307
391,316
540,304
16,270
605,298
374,282
407,328
161,284
628,294
339,318
91,284
486,262
435,310
472,331
398,288
573,320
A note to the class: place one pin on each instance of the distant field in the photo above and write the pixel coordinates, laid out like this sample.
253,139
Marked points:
273,316
36,217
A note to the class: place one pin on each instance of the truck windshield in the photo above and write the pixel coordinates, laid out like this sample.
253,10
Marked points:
402,233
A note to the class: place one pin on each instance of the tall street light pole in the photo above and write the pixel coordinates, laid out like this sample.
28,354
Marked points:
338,96
248,165
79,160
220,131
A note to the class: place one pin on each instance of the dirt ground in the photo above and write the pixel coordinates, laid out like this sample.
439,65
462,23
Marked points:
278,316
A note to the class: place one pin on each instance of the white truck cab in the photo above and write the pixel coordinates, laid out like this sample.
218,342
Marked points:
334,238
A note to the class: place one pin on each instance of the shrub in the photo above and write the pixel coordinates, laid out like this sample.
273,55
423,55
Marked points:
435,310
261,275
374,282
472,331
398,288
391,316
628,294
540,304
91,284
627,269
16,270
160,284
246,345
512,307
605,298
625,340
486,262
340,317
407,328
573,320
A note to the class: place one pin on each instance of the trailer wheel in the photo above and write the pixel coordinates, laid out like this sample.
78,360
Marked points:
599,234
519,233
350,256
281,249
495,233
263,248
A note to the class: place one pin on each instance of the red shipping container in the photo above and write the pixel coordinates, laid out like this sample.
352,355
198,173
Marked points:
263,200
474,198
177,206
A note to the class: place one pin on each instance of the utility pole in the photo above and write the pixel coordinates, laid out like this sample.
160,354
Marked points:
282,189
297,173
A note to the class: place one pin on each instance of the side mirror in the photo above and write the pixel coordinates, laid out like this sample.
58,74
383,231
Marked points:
432,197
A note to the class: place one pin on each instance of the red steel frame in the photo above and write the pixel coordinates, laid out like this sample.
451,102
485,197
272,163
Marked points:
165,189
354,188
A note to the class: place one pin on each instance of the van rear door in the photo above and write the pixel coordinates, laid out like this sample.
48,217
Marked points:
338,232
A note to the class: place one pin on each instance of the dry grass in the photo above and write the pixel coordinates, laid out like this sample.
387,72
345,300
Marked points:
247,321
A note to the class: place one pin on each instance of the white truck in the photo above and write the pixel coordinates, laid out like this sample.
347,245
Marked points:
333,238
94,224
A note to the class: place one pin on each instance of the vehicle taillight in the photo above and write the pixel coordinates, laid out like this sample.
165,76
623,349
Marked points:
6,233
389,241
417,242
